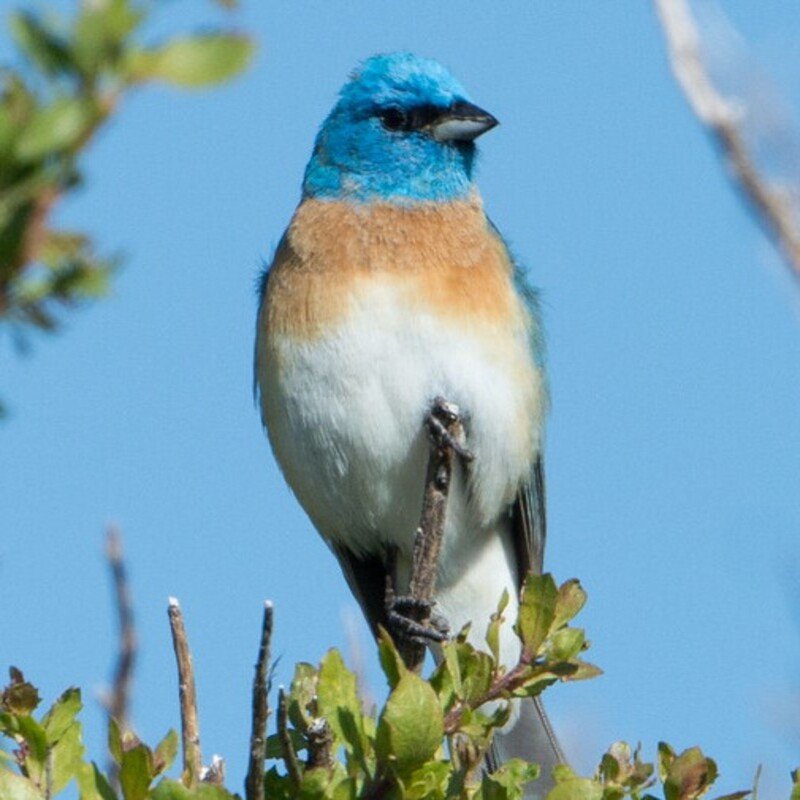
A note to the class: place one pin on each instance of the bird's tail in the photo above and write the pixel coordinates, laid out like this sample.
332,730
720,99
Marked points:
532,739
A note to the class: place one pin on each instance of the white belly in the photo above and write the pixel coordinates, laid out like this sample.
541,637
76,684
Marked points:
345,415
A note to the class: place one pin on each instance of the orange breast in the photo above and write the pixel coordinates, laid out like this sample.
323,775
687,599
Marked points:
445,257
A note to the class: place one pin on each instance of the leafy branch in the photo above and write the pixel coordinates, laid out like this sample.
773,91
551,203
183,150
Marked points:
75,72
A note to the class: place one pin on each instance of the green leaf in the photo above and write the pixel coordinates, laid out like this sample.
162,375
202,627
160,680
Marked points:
56,128
302,697
40,44
493,629
576,789
566,643
136,772
689,775
392,662
36,739
92,784
411,726
508,782
536,612
174,790
429,782
165,752
114,740
666,756
62,714
338,702
193,61
67,755
571,599
15,787
100,31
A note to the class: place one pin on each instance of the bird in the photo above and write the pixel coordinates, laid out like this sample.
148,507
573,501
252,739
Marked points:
389,288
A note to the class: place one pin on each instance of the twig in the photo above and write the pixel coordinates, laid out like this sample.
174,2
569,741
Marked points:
446,434
287,748
254,782
774,209
190,728
118,702
320,744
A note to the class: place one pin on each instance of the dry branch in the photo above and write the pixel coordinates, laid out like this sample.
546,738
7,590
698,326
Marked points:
320,745
254,782
118,701
723,118
284,737
190,727
446,434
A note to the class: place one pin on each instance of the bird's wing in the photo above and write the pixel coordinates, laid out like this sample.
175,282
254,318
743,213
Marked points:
532,737
366,576
529,522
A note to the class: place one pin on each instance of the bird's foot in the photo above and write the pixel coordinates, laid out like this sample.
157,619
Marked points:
440,419
402,613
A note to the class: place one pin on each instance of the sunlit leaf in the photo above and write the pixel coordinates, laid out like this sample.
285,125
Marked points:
193,61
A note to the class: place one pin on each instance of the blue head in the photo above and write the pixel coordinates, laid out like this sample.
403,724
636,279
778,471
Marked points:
402,130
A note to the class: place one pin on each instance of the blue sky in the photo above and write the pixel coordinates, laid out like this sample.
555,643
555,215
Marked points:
674,337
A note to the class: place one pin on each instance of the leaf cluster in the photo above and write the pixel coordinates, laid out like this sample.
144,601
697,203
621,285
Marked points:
70,75
428,741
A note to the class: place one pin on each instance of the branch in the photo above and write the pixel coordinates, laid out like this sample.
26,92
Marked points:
190,728
446,433
117,704
285,739
254,782
772,203
320,745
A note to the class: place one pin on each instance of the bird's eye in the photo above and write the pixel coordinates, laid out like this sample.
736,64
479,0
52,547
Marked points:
393,119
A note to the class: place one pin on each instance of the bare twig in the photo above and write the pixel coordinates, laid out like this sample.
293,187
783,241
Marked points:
190,728
287,748
723,118
118,702
446,434
320,744
254,782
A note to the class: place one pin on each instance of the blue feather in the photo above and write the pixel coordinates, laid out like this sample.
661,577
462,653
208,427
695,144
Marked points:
355,157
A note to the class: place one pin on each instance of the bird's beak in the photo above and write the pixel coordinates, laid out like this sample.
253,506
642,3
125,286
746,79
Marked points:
462,122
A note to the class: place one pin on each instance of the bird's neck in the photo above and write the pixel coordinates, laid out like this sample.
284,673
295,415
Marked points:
441,176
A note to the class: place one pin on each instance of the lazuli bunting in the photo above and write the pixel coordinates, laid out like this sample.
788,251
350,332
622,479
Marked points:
391,287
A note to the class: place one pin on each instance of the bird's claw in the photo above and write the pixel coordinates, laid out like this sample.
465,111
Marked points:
442,415
400,616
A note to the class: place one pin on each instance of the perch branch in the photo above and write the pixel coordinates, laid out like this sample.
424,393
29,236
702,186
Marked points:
772,203
190,728
446,434
254,782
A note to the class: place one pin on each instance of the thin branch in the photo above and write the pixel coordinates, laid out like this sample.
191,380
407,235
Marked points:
285,739
722,117
118,703
190,728
254,782
320,744
446,434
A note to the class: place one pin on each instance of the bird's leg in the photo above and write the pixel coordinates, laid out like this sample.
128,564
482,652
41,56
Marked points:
411,618
439,421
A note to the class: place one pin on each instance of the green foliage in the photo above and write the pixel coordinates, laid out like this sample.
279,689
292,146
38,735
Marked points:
75,72
428,741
